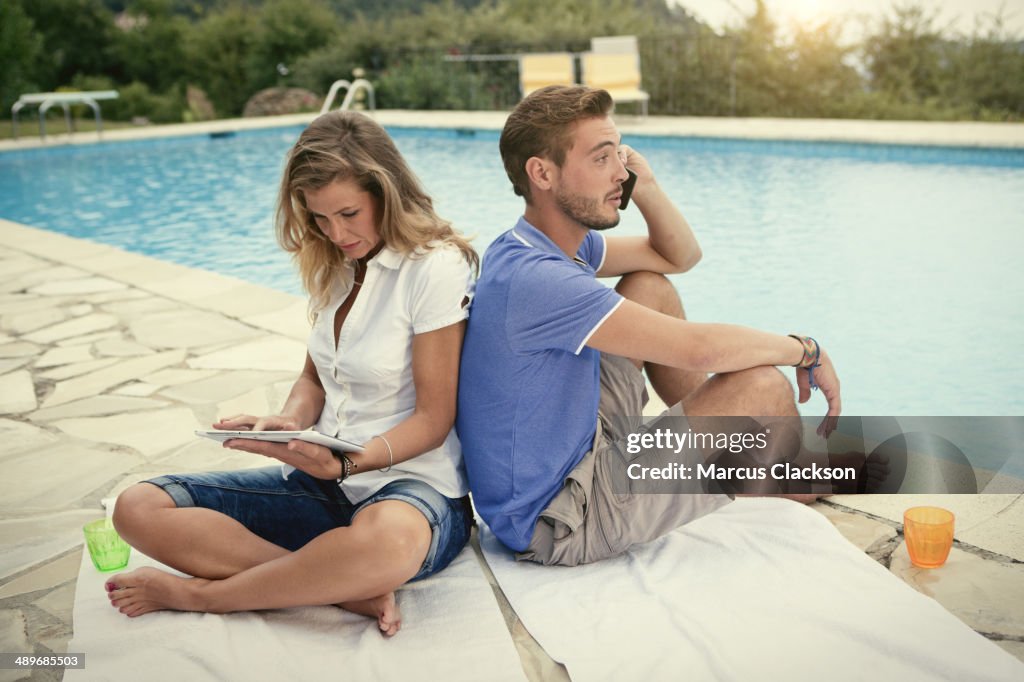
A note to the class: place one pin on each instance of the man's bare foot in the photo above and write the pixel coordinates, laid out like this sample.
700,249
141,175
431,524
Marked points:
876,472
872,471
148,589
384,608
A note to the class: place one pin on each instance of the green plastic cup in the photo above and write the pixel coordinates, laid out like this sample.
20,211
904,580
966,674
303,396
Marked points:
106,548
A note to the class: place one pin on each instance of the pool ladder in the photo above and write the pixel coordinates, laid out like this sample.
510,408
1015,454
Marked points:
350,96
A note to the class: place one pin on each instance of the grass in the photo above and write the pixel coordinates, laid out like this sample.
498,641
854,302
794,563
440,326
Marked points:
28,126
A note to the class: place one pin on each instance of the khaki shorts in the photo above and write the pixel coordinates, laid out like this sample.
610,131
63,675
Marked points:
587,520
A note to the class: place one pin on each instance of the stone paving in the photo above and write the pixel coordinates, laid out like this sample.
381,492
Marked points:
109,361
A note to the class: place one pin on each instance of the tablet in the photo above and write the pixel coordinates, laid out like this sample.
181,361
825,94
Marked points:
283,437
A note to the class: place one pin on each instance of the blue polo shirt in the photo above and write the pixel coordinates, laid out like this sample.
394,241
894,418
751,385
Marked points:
528,385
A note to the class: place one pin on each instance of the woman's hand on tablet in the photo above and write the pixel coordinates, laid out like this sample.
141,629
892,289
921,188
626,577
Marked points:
247,422
313,459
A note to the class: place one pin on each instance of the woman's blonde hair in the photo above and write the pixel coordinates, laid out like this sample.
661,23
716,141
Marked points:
341,146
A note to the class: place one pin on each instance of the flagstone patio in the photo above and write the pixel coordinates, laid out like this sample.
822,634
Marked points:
109,360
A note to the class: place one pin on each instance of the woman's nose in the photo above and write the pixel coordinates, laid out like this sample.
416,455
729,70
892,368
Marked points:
334,230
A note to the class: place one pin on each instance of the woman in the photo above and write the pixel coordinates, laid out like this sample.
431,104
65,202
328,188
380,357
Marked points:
390,284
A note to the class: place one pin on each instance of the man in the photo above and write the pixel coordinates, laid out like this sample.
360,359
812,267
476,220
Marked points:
551,354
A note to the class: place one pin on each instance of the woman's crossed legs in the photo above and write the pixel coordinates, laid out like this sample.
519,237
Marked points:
299,543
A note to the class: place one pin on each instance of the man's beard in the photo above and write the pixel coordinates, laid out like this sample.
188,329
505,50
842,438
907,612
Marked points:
585,211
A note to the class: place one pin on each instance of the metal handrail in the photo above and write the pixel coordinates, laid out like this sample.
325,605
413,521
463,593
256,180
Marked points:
64,99
352,87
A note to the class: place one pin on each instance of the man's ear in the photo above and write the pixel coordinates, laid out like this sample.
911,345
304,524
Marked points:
540,172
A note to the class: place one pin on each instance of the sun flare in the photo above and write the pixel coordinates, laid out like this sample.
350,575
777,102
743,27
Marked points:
806,12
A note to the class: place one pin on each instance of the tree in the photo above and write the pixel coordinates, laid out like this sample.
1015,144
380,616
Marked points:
821,82
988,71
904,56
761,65
573,21
20,48
76,35
286,30
219,48
150,48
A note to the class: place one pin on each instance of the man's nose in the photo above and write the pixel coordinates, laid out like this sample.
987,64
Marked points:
621,174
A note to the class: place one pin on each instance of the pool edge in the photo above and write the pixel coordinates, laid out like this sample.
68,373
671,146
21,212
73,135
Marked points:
927,133
252,304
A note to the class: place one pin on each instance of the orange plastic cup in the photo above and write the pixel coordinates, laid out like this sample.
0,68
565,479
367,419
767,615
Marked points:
929,535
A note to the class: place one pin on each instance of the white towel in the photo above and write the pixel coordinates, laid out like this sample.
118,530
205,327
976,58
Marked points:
762,589
452,630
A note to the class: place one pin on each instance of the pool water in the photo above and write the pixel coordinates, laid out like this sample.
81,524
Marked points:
902,261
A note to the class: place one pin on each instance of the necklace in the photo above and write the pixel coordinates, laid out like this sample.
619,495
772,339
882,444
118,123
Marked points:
360,268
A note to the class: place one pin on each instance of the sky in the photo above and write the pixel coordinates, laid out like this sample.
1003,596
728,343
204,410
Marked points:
959,14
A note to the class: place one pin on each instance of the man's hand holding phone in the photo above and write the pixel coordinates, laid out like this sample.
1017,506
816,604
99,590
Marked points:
640,175
627,189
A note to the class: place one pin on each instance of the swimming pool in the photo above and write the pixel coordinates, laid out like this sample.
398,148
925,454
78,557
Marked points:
901,260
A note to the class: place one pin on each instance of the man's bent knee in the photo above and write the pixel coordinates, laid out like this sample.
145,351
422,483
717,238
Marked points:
652,290
776,389
772,389
769,379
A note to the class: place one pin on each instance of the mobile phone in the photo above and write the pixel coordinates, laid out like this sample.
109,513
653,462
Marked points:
627,189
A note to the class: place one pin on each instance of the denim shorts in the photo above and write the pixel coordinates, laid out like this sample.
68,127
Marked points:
290,513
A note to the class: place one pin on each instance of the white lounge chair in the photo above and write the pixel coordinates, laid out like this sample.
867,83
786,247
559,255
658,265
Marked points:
614,45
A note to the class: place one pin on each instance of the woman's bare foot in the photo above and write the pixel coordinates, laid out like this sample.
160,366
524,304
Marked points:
802,498
148,589
384,608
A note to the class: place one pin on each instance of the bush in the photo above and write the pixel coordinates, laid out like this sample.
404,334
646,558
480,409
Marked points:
286,30
152,49
423,83
136,100
318,69
218,50
905,66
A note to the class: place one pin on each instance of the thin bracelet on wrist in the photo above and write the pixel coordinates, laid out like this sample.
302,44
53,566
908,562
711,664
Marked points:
391,454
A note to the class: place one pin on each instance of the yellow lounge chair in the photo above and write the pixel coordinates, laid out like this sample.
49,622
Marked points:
614,65
550,68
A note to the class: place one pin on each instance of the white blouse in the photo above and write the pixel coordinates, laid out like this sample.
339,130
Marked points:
368,378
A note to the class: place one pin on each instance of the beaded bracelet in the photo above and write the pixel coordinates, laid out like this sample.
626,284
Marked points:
810,360
346,465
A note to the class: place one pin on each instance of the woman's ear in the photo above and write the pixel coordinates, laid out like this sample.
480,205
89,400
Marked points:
540,172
